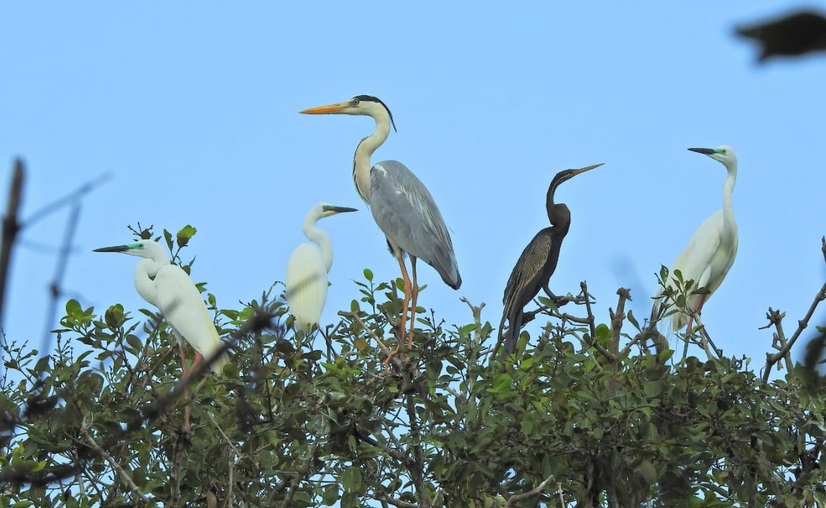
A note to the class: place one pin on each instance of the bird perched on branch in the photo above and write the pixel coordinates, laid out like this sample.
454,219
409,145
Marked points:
401,206
537,263
169,288
711,252
307,269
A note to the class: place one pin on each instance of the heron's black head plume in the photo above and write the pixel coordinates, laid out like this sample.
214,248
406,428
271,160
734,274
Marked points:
371,98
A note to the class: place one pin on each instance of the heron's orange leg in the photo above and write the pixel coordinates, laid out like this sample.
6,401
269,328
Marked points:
405,304
414,290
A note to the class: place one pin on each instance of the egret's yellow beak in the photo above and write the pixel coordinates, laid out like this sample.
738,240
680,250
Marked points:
326,110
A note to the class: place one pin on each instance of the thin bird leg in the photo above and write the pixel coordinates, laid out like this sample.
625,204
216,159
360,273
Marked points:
414,290
405,303
198,359
700,301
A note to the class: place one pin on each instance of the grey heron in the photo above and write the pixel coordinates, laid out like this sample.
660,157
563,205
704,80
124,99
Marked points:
401,206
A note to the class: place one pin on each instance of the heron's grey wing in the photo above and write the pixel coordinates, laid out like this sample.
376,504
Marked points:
407,214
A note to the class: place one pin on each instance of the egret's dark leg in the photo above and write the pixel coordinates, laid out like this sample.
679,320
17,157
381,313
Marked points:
414,290
403,318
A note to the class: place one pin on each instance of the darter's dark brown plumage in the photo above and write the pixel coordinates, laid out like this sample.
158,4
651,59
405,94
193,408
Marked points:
537,263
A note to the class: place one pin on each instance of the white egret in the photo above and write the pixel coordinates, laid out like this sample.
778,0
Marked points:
308,267
537,263
401,206
171,290
711,252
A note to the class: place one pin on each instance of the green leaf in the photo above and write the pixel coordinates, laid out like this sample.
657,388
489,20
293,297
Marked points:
351,479
73,308
184,234
368,274
501,383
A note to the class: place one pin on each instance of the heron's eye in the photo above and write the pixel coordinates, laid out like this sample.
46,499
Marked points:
355,102
723,151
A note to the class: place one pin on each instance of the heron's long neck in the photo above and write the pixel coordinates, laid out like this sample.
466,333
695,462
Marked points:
317,235
361,160
144,280
728,189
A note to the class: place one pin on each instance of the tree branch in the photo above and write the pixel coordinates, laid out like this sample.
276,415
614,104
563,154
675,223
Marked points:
126,478
531,493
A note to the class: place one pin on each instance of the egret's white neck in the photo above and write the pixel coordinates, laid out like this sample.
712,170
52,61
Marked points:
145,273
361,160
728,189
317,235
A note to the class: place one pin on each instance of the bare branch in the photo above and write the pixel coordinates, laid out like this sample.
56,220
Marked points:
531,493
112,462
11,226
772,359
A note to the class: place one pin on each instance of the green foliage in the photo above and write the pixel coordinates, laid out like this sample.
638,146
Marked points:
579,418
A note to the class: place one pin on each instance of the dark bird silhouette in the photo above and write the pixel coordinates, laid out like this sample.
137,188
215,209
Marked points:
791,35
537,263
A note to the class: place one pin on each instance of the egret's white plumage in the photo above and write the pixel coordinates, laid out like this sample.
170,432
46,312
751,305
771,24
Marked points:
171,290
307,269
711,252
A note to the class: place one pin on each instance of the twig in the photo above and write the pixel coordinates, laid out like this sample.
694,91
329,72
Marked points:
531,493
584,287
60,269
11,227
230,481
476,343
772,359
126,478
617,319
384,349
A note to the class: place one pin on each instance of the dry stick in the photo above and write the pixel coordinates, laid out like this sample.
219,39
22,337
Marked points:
531,493
11,226
584,287
617,318
126,478
772,359
231,462
60,270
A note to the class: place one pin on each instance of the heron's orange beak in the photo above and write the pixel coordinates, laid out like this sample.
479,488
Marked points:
326,110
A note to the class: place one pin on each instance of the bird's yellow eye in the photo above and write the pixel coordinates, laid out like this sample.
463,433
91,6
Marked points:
355,102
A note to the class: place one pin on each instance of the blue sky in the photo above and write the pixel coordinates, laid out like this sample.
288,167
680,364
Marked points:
193,110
